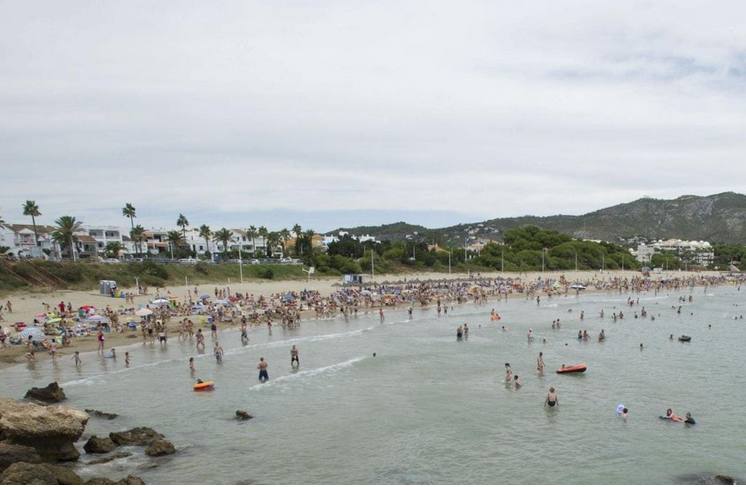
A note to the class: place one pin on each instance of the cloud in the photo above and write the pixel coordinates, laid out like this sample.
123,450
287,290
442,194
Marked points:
244,110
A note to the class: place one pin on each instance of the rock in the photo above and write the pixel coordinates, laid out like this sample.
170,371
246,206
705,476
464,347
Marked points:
108,458
50,394
101,414
243,415
10,454
100,481
99,445
725,479
42,473
160,447
128,480
51,430
140,436
131,480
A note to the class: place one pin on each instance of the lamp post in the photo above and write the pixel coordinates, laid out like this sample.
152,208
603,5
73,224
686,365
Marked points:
449,262
543,250
240,263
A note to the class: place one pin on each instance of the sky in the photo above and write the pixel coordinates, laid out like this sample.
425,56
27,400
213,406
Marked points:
341,113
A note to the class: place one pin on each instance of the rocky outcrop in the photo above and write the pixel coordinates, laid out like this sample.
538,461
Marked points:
10,454
160,447
100,414
128,480
51,394
51,430
109,458
96,444
141,436
243,415
41,473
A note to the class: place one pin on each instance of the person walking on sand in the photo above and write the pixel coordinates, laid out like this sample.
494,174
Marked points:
262,366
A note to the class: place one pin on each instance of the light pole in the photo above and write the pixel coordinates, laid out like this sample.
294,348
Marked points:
543,250
502,259
372,265
576,261
240,262
449,262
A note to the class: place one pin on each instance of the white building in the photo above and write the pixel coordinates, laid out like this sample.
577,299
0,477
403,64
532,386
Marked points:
105,234
697,252
644,253
19,238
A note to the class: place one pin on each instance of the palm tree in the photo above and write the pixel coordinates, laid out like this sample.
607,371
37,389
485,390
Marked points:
130,212
206,233
263,232
64,234
174,239
251,233
297,231
223,235
284,236
30,208
272,240
308,240
183,223
137,234
113,249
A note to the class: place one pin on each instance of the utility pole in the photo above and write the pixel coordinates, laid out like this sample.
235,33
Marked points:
502,260
240,262
543,250
449,262
372,265
576,261
603,262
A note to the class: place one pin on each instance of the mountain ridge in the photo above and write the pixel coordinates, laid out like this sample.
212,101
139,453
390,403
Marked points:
718,217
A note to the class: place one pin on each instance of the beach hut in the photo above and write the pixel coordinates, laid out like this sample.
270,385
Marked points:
107,288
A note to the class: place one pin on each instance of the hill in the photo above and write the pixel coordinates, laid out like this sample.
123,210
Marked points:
715,218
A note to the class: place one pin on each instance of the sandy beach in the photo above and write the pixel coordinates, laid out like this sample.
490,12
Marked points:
26,305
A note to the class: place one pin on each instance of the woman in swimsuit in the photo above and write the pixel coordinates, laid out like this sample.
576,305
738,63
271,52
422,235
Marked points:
552,399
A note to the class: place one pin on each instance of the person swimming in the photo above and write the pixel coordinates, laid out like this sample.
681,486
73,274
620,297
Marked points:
689,420
552,399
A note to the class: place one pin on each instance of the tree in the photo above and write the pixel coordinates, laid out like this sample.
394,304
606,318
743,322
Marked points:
284,236
175,240
183,223
251,233
137,234
30,208
206,233
113,249
223,235
297,231
273,239
64,234
130,212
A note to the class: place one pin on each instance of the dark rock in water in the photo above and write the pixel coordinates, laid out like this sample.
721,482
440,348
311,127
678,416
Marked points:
10,454
707,479
243,415
109,458
131,480
101,414
100,481
159,448
50,430
50,394
140,436
99,445
42,473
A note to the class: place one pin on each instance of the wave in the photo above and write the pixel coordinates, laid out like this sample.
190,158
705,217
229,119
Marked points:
308,373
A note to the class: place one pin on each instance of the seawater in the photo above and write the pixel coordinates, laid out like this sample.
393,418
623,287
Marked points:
427,409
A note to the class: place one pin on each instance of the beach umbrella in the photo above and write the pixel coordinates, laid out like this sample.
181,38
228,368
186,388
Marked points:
34,332
204,296
159,301
144,312
97,318
87,307
40,315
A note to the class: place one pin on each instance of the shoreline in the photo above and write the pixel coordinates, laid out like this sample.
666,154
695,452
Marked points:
25,305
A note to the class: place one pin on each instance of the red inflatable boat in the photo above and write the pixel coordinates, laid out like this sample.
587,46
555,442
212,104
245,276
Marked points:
572,369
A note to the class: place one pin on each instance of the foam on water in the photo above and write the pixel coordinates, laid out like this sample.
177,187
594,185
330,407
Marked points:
308,373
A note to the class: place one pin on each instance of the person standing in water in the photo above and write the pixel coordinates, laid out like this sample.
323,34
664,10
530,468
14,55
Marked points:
540,363
459,334
294,360
262,366
244,332
126,359
552,398
77,359
218,353
192,370
466,331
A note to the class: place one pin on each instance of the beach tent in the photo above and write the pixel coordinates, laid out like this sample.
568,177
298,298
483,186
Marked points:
36,334
144,312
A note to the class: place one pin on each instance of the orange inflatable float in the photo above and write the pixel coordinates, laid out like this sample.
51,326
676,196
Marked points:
204,386
572,369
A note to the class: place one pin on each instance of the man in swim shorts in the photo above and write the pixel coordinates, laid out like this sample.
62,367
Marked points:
294,360
263,375
552,399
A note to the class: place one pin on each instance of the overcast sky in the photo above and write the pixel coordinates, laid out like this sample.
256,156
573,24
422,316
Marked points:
339,113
